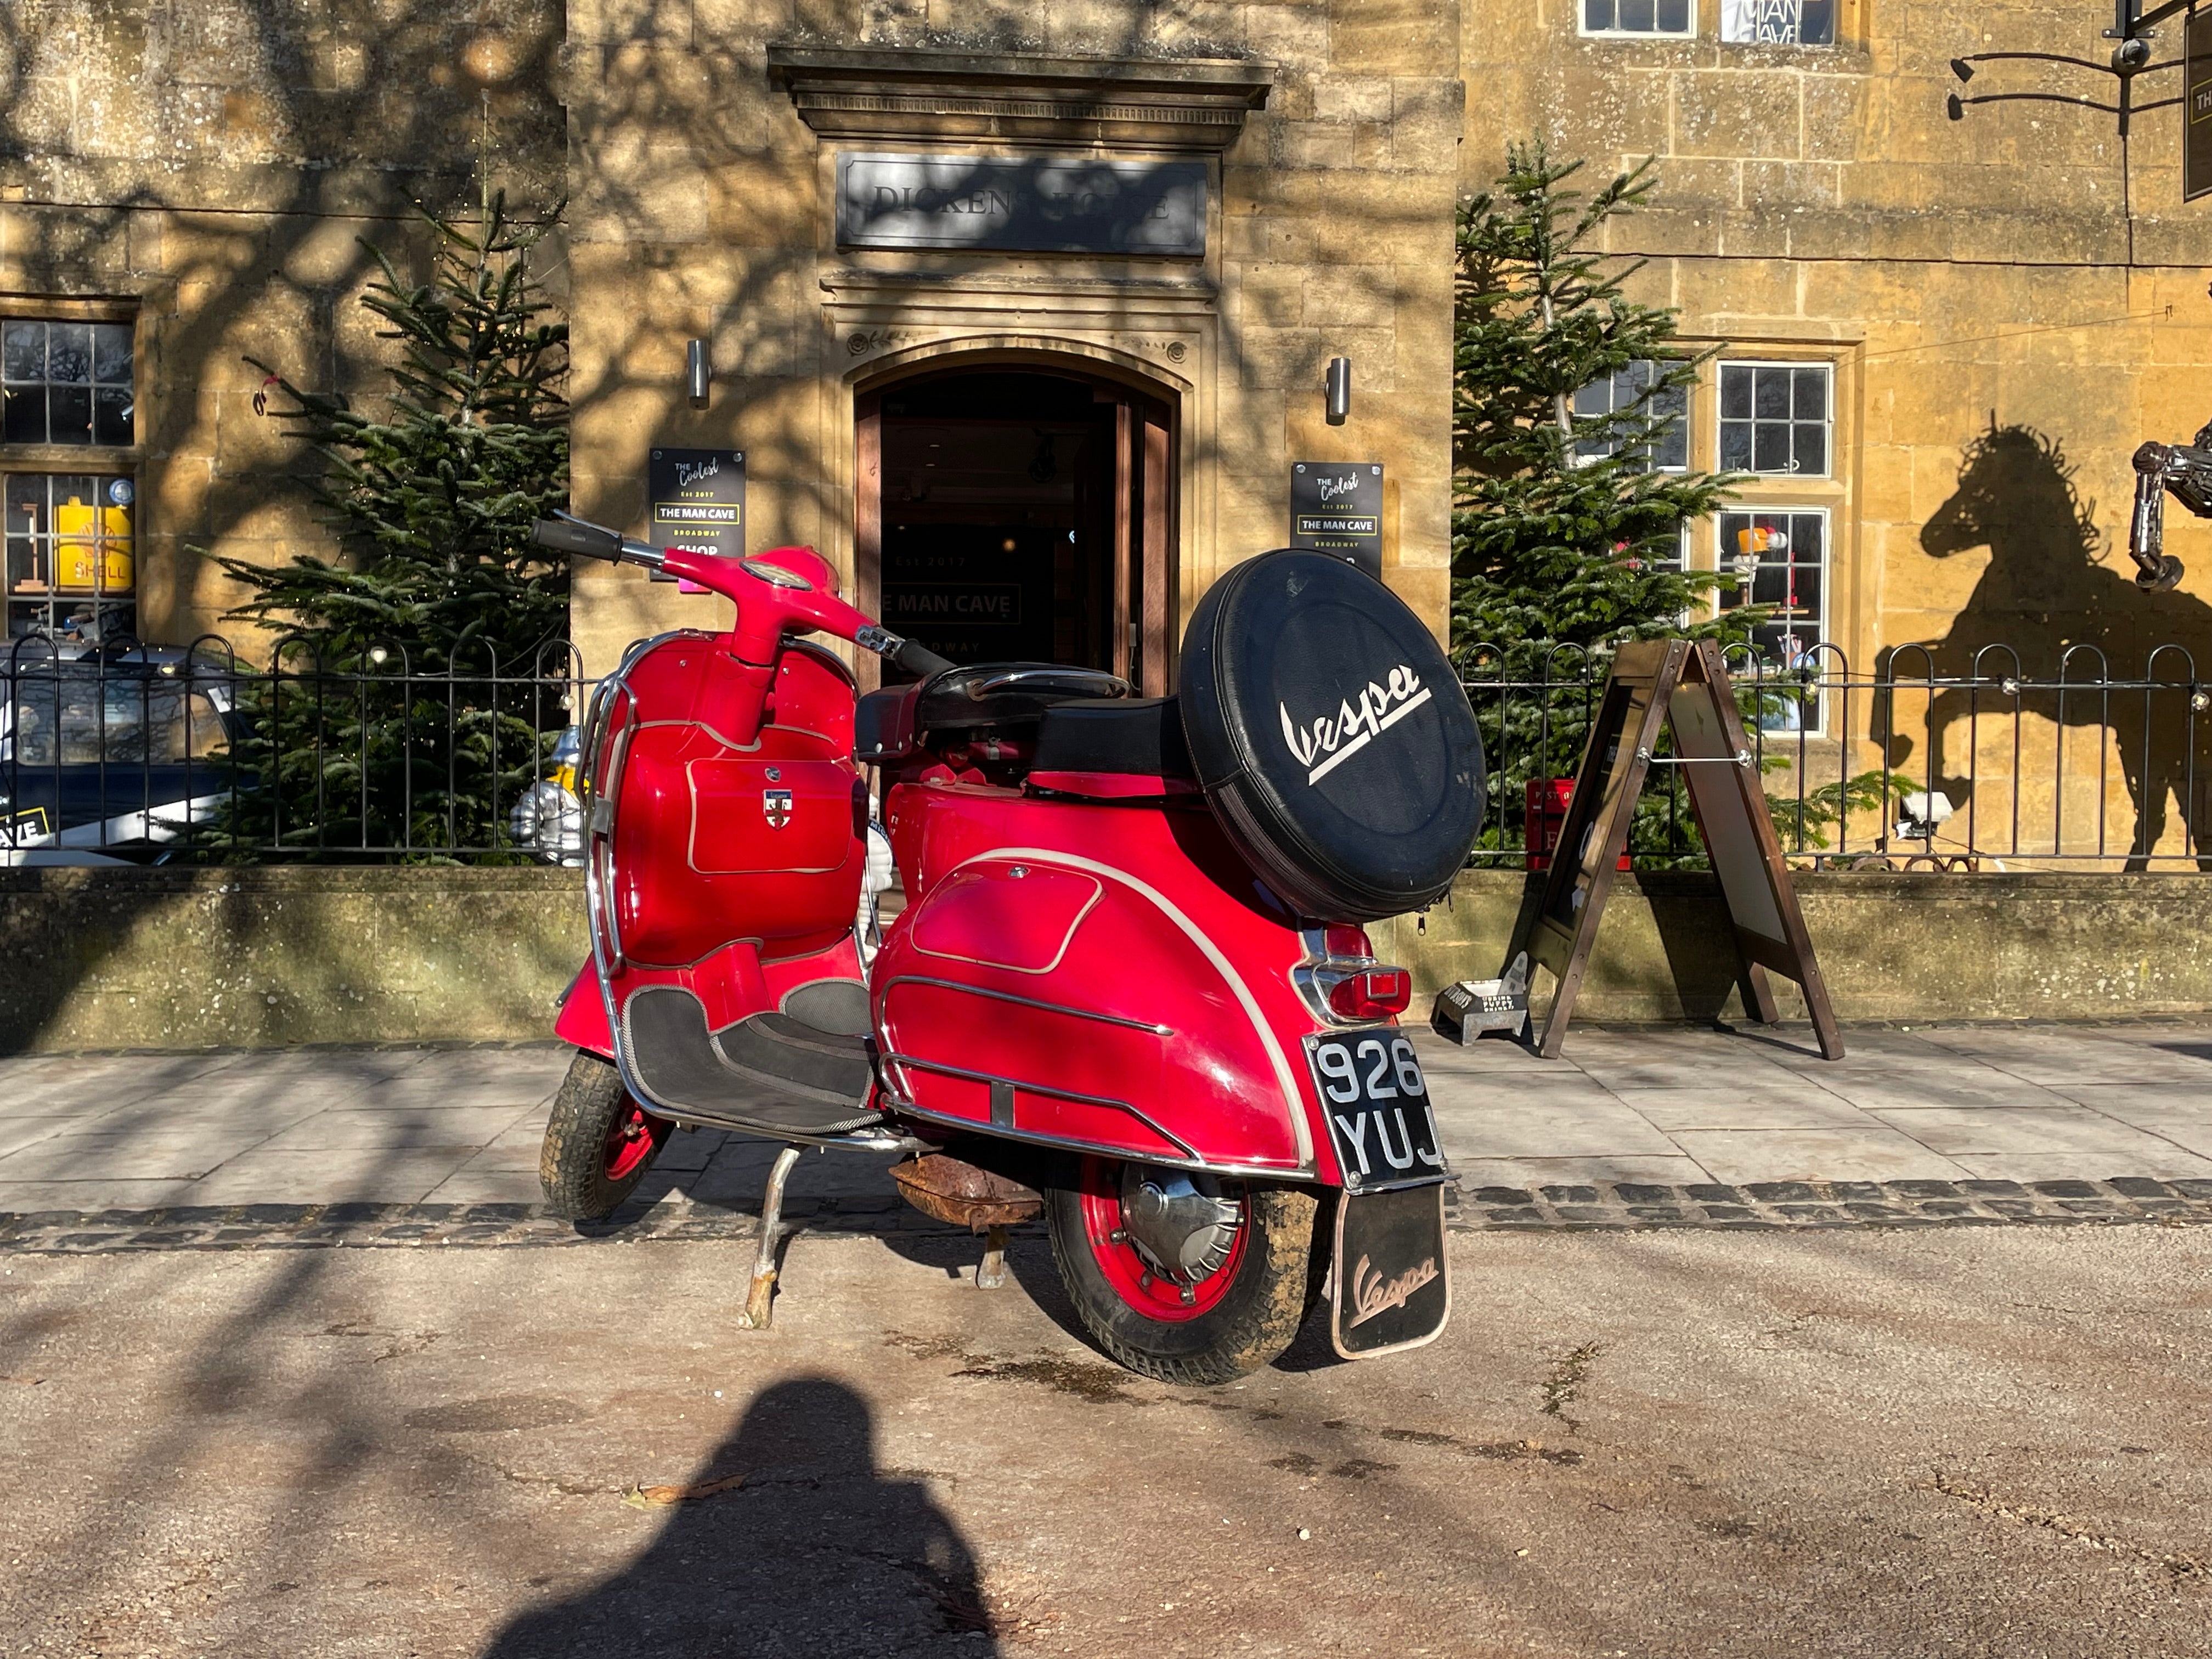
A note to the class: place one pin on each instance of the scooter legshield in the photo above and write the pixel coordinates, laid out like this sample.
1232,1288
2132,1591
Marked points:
723,874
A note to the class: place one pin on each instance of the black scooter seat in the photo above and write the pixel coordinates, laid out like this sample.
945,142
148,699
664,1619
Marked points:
1138,737
804,1071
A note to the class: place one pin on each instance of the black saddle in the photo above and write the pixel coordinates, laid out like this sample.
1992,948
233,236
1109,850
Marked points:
1129,736
804,1070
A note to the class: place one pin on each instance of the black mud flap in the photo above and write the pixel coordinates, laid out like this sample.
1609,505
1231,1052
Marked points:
1391,1289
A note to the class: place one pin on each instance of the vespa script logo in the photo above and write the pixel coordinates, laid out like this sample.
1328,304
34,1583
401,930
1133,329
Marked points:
1327,743
1373,1294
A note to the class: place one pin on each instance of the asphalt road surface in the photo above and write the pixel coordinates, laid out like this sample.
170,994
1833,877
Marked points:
1984,1441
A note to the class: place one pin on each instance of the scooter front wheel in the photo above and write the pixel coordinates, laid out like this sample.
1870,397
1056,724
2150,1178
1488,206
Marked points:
599,1142
1182,1276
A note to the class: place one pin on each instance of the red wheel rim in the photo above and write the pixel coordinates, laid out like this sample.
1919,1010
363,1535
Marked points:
1126,1272
632,1140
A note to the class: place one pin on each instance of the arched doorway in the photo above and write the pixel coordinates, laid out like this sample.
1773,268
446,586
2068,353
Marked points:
1011,512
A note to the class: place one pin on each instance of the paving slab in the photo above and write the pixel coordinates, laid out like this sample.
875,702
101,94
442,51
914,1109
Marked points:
1669,1106
1874,1154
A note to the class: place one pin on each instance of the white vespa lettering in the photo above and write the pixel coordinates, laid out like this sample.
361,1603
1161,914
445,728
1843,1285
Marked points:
1381,707
1373,1294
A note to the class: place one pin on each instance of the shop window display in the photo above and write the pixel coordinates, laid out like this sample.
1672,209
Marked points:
71,566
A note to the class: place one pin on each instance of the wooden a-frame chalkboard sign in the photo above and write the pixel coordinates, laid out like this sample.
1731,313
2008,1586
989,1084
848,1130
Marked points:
1685,684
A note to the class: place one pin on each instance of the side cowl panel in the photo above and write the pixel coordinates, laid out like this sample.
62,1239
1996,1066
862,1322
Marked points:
1103,1016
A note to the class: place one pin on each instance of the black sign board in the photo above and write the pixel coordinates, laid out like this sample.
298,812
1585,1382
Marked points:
2196,108
1022,204
1336,507
1684,686
697,501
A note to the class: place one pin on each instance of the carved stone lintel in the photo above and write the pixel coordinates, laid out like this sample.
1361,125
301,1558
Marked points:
915,96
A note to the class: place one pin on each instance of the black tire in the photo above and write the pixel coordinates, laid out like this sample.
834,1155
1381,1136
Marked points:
587,1172
1275,1286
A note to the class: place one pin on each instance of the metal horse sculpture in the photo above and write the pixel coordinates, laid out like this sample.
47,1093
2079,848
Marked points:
2047,592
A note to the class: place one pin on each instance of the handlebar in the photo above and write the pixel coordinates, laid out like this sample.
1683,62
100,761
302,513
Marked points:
771,600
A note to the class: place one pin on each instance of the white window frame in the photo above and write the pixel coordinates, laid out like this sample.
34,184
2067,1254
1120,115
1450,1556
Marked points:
1684,420
1824,627
1588,33
1720,418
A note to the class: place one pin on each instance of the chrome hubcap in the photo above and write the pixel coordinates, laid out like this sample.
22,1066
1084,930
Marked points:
1178,1221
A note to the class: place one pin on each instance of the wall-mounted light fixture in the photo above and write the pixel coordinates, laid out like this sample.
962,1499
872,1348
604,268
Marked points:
698,372
1337,389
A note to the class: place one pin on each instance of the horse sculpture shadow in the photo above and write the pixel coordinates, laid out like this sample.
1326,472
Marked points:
2047,609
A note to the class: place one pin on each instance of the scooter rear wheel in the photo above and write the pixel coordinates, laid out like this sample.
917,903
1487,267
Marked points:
599,1142
1180,1278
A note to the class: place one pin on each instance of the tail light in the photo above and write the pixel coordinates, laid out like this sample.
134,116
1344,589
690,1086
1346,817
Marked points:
1341,982
1371,993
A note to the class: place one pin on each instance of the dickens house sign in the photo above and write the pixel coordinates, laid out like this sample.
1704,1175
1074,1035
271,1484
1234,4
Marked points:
1022,204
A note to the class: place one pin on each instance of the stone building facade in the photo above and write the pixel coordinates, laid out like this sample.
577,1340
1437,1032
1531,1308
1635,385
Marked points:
1059,376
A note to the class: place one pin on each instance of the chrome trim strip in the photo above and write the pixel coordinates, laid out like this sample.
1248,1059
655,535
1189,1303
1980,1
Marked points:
1027,1002
920,1065
899,1108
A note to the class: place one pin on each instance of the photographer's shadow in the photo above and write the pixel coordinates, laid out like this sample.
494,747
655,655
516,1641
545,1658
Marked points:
815,1551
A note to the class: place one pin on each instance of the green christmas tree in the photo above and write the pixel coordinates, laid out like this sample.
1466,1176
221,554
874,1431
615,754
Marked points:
1568,527
349,748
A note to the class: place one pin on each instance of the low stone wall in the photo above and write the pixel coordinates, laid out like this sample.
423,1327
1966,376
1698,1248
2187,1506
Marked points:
1890,946
173,958
258,958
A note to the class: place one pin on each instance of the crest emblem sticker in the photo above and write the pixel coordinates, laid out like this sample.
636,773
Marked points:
775,807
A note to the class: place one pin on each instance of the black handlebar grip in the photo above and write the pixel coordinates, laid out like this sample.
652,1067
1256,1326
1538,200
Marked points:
585,540
919,659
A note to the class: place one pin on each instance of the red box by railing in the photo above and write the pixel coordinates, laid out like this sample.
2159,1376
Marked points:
1547,803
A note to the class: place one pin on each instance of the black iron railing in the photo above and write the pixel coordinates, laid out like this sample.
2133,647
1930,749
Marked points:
189,753
171,753
1981,765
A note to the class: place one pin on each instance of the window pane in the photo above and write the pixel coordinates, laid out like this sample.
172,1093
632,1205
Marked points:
1674,446
110,415
1811,449
1771,452
1736,393
23,351
1597,14
1735,447
69,415
1638,16
1771,394
69,352
1805,529
1816,23
1810,402
24,419
1595,399
1674,16
111,353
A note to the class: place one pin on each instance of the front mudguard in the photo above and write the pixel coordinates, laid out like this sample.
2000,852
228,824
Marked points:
582,1021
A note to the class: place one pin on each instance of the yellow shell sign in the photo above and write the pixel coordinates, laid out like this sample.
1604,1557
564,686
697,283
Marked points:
92,548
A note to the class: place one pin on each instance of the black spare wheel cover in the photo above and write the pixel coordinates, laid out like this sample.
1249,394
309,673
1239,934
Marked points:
1331,735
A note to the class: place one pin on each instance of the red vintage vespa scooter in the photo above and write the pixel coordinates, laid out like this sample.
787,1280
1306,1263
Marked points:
1129,990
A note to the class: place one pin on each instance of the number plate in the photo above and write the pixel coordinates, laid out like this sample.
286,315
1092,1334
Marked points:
1377,1103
